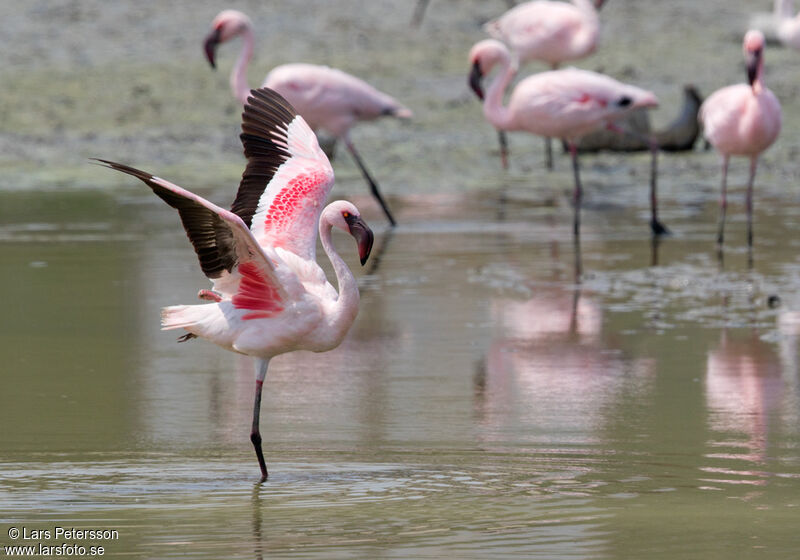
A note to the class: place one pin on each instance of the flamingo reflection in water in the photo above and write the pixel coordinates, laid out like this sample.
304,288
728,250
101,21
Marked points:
744,387
550,368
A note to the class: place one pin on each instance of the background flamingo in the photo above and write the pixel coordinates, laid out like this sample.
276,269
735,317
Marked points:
769,22
419,11
562,104
328,99
551,32
742,120
788,25
270,296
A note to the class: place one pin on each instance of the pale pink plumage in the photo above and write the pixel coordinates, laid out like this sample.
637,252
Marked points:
564,104
270,296
327,98
553,32
742,120
787,23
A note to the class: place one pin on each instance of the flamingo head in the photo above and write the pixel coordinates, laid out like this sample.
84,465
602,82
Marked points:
345,216
227,25
484,56
753,54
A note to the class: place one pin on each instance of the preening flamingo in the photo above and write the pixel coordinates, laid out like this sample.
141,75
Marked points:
326,98
563,104
269,294
742,120
551,32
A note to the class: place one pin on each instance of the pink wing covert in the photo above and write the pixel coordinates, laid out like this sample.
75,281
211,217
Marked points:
287,178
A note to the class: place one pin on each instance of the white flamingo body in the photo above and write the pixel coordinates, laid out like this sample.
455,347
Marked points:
327,98
552,32
742,120
565,104
330,99
788,27
789,32
269,294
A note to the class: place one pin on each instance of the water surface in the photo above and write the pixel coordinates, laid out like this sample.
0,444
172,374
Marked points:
489,402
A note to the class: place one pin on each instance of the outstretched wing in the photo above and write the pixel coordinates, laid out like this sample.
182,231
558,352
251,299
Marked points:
222,242
287,178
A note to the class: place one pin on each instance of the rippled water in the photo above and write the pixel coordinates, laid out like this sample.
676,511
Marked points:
486,404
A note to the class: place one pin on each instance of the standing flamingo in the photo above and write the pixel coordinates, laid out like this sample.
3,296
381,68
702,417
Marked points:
270,296
563,104
552,32
327,98
742,120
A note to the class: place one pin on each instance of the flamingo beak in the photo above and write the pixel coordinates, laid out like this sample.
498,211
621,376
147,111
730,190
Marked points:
599,4
475,77
752,60
363,236
649,100
210,46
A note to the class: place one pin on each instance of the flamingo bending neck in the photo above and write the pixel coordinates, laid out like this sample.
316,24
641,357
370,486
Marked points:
344,309
238,78
493,108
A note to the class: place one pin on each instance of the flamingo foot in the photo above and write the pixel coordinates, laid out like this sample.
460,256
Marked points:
658,228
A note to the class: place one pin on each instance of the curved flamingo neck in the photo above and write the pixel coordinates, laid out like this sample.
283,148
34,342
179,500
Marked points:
758,83
345,308
493,108
239,84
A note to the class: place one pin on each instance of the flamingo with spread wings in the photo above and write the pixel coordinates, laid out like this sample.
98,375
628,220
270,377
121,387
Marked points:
269,294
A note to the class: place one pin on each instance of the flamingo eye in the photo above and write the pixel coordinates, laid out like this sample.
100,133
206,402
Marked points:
624,101
345,215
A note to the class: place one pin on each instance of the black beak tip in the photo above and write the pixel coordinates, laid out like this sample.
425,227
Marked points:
365,246
475,77
210,47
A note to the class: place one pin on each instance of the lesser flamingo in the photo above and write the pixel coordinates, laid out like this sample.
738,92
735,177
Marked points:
551,32
269,294
742,120
327,98
565,104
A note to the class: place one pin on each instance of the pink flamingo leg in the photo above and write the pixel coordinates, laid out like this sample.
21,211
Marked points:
655,224
723,201
372,184
577,195
255,434
548,153
753,164
503,139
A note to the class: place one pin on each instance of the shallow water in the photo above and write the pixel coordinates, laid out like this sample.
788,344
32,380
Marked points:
485,404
